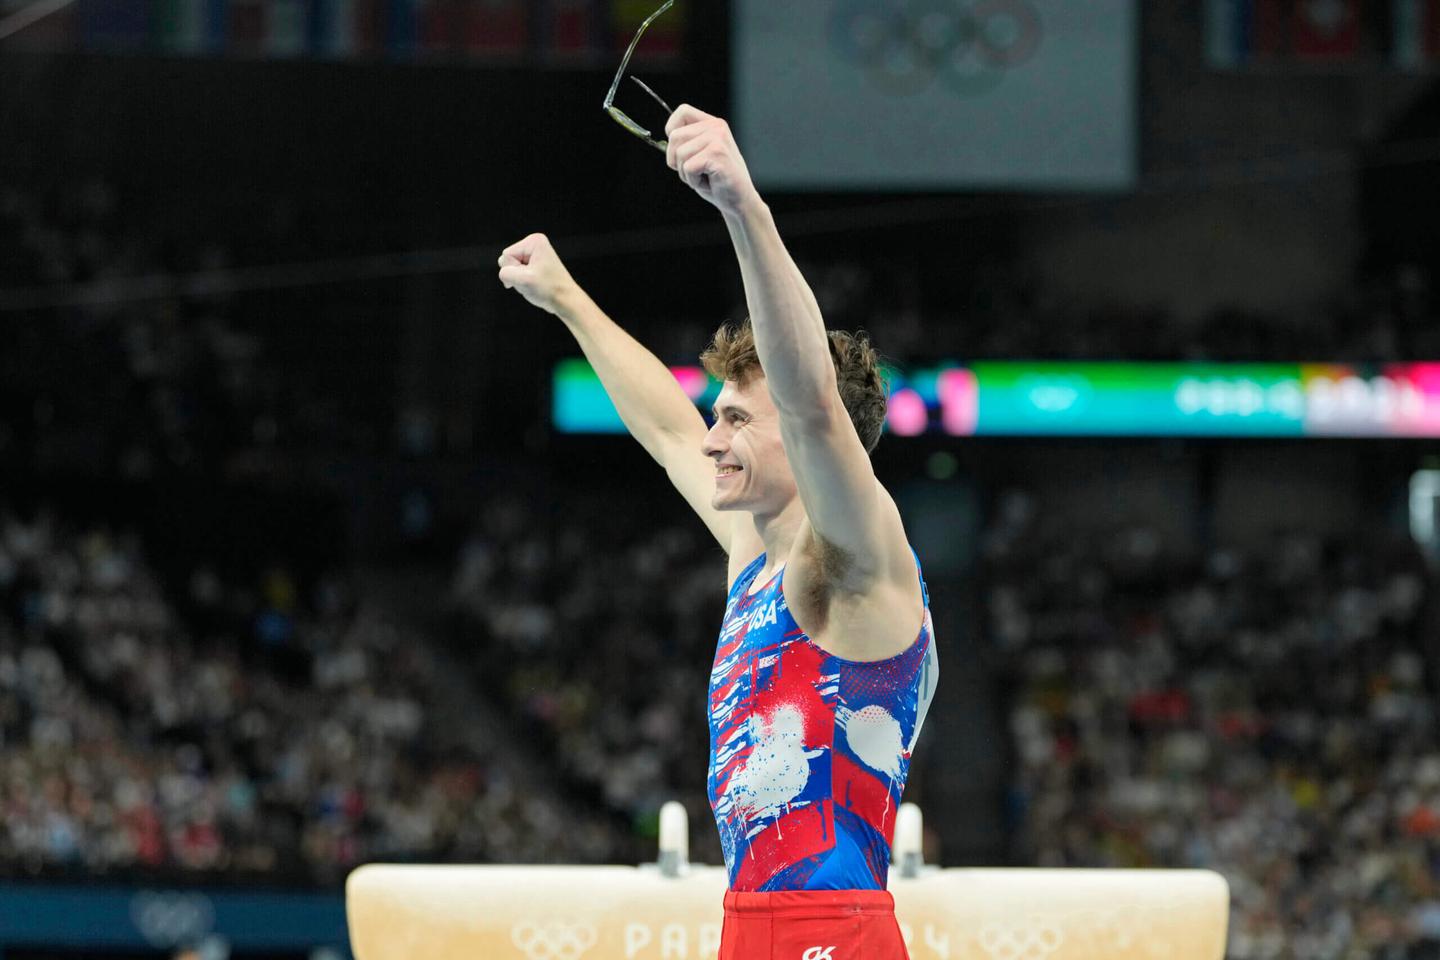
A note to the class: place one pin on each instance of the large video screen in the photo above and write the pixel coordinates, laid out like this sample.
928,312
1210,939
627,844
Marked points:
941,94
1102,399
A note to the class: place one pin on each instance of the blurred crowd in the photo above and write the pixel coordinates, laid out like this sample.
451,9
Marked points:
234,730
1389,315
597,634
181,375
1269,714
168,379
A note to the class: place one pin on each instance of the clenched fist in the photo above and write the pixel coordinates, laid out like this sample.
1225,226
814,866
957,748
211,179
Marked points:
532,267
703,151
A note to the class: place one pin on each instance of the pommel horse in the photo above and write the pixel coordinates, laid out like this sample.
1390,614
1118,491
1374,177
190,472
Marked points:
672,910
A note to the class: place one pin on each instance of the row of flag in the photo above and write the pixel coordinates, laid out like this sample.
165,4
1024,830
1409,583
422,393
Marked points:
1404,34
345,29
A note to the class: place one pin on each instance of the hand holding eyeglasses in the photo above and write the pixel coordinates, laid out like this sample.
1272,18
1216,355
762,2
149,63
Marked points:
700,147
703,151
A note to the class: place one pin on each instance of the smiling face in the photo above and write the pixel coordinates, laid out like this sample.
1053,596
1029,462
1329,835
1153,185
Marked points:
746,435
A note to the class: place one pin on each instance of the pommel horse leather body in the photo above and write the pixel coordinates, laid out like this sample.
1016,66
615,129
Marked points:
629,913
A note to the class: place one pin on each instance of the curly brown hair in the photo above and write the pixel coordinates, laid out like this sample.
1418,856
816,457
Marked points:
732,356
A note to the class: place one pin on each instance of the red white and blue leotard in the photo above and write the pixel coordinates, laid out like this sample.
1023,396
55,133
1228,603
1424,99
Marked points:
809,752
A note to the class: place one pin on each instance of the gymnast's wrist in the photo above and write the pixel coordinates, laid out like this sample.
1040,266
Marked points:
749,214
575,307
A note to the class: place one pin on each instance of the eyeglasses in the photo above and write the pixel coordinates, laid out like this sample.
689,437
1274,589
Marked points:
620,115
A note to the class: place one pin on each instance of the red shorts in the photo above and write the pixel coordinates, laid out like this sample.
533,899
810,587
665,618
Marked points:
811,925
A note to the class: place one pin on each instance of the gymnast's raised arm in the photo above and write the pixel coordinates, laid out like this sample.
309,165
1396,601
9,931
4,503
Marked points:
849,516
649,400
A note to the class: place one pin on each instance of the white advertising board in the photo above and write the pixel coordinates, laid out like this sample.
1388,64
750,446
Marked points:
937,94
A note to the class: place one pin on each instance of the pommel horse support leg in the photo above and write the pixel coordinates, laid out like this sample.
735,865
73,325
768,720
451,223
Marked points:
645,913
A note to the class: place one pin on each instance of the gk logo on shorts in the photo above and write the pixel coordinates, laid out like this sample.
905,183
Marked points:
553,940
818,953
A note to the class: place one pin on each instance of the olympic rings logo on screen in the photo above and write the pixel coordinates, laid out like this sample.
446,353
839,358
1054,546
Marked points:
553,940
907,46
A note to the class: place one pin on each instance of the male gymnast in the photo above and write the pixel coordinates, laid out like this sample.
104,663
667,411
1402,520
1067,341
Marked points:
826,663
